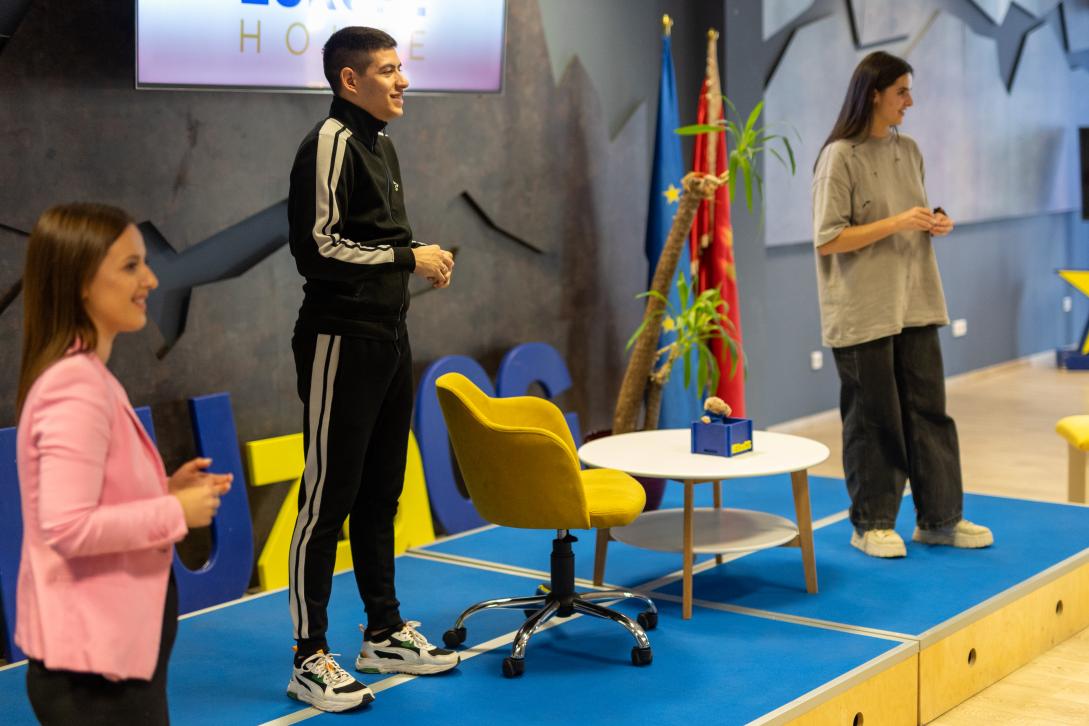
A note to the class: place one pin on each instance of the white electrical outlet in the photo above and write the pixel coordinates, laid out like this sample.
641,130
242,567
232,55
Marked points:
960,328
816,360
1068,303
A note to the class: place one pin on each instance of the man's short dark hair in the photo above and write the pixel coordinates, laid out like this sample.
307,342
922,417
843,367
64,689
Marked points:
351,47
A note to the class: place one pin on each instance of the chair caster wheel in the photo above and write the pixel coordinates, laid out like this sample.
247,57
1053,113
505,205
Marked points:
641,656
648,619
513,667
453,637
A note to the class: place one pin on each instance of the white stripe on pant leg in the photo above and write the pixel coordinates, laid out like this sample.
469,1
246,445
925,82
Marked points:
330,385
310,471
320,405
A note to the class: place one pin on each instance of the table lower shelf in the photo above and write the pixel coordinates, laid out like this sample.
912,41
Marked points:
714,531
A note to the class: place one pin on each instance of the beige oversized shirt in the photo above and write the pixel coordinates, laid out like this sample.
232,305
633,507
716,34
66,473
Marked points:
893,283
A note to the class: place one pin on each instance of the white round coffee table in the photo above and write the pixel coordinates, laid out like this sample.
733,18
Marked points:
667,454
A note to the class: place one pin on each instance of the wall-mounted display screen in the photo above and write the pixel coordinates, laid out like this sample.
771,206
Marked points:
445,45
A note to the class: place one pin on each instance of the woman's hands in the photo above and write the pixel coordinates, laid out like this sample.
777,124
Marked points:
916,218
198,491
943,225
922,219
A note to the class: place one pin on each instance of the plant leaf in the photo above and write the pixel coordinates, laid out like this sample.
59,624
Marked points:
753,115
697,129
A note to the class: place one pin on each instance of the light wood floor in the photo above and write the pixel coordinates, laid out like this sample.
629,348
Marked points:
1006,419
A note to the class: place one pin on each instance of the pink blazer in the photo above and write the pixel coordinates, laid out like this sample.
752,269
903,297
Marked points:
98,526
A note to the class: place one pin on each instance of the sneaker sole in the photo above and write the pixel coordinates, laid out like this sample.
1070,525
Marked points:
968,542
325,704
422,669
889,551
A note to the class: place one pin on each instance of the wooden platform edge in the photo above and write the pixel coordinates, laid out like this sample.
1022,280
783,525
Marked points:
1005,598
981,652
884,689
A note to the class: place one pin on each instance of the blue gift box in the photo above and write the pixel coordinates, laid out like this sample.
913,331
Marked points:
734,436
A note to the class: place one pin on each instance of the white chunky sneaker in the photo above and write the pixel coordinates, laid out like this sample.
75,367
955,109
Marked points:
321,682
962,534
404,651
879,543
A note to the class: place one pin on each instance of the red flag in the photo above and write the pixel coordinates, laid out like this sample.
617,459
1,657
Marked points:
711,243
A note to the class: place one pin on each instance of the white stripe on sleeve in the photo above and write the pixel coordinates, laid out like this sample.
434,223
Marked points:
332,145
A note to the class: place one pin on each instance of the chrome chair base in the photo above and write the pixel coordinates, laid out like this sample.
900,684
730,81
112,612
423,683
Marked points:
562,601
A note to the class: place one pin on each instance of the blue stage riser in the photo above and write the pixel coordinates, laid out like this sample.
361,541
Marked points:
909,595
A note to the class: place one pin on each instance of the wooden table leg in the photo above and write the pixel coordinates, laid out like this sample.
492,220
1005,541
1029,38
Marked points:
686,600
718,505
799,480
600,550
1075,475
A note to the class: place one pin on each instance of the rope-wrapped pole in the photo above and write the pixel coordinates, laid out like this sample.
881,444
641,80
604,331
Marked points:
697,187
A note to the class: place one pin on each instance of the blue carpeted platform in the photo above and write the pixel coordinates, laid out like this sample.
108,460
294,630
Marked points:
231,666
910,595
628,565
718,667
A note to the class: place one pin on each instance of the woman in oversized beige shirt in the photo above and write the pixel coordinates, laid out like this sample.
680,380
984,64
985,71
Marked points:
881,304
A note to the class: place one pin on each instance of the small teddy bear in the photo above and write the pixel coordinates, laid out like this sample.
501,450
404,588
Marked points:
715,410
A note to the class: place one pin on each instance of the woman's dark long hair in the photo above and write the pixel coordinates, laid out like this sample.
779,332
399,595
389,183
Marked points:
66,247
876,72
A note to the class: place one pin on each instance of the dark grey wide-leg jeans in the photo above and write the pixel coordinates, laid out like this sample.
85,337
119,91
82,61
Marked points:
895,428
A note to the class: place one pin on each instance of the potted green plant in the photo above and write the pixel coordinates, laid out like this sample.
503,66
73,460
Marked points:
701,318
644,371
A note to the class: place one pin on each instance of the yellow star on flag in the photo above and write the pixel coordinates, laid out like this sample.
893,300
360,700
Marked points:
672,194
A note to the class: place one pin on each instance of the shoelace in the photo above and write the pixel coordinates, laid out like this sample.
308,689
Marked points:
330,670
414,635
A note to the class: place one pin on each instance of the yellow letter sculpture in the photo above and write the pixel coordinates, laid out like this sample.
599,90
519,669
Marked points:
279,459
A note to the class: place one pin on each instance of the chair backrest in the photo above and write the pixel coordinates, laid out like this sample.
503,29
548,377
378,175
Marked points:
516,456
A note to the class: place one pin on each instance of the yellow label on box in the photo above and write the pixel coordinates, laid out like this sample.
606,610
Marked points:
743,446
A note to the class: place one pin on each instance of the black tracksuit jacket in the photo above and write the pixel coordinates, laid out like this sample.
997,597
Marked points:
349,231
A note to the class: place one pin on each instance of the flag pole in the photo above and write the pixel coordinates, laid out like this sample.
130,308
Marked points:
714,109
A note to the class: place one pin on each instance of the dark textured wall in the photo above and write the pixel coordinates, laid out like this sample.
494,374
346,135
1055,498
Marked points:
543,159
538,158
560,159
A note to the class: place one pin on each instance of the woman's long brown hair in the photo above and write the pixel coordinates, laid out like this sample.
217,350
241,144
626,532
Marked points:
66,247
875,72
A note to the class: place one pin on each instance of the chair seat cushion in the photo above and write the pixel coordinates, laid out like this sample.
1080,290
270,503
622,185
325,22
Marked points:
1075,429
613,498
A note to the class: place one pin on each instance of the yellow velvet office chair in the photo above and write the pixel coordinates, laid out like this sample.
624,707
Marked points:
521,469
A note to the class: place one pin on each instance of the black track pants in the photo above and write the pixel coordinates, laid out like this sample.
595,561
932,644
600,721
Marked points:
357,399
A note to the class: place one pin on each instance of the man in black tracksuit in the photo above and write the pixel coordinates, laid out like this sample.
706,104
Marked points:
352,243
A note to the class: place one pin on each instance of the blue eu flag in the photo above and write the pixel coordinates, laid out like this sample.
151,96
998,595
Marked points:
680,405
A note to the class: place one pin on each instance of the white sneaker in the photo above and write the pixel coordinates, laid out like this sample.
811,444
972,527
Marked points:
321,682
879,543
962,534
405,651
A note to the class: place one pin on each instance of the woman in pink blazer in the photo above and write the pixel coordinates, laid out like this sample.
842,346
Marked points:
96,610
